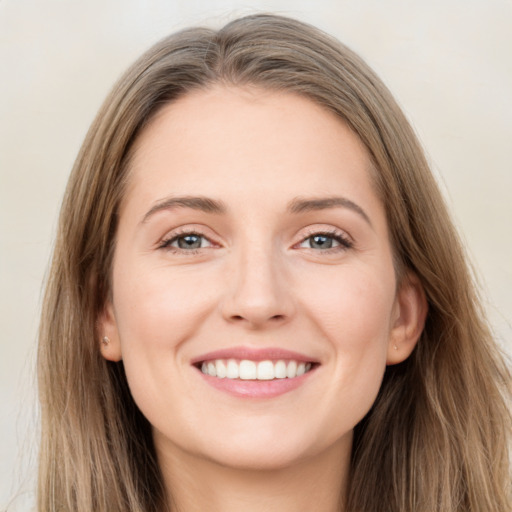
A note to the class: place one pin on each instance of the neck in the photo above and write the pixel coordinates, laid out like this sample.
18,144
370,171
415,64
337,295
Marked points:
315,483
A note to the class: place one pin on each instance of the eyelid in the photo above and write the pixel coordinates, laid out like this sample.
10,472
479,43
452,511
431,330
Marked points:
171,236
344,240
177,238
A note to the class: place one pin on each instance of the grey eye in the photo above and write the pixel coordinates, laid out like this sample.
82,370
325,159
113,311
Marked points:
189,241
320,241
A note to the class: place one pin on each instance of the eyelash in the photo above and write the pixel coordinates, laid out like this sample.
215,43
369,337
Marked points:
344,241
341,238
166,243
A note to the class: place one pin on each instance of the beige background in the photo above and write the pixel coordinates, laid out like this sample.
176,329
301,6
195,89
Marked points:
448,62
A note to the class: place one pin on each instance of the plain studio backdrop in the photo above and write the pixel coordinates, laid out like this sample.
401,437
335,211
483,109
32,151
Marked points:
448,62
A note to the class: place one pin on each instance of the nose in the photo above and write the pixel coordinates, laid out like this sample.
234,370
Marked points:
258,293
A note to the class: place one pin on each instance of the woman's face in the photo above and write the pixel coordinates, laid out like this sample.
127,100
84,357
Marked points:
252,246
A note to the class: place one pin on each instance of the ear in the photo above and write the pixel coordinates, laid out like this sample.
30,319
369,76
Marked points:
109,342
410,311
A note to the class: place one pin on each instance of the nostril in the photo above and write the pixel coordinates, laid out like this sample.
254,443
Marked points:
275,318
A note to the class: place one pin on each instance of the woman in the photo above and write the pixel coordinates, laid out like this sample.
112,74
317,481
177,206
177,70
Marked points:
257,299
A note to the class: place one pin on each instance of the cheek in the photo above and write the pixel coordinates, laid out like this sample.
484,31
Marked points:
157,310
158,305
354,306
354,315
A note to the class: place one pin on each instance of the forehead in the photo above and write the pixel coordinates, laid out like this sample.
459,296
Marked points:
247,140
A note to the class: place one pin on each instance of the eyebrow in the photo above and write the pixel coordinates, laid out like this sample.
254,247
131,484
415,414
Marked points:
295,206
204,204
300,205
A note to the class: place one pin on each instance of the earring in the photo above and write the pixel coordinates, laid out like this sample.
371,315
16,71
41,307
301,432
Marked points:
395,347
105,341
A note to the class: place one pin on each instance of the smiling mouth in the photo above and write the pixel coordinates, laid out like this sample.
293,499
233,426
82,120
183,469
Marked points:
246,369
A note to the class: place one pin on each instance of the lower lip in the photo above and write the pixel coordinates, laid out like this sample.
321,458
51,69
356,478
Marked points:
256,388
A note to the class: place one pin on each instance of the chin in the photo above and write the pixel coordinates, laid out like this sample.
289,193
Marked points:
266,450
259,458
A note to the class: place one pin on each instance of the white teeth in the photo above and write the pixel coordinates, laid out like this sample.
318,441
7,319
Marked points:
247,370
232,372
265,370
211,369
280,370
220,368
291,369
252,370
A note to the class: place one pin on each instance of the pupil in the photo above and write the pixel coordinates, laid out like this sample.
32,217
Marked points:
189,242
321,242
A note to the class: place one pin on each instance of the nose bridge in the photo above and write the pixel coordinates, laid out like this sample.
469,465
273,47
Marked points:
257,291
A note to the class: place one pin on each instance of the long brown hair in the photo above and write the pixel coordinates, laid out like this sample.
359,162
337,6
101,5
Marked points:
437,436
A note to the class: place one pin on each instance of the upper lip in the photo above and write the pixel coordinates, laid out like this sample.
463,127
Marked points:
254,354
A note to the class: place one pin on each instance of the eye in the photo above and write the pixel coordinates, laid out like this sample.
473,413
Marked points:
186,242
325,241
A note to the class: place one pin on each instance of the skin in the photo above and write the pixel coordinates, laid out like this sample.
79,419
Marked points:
258,281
